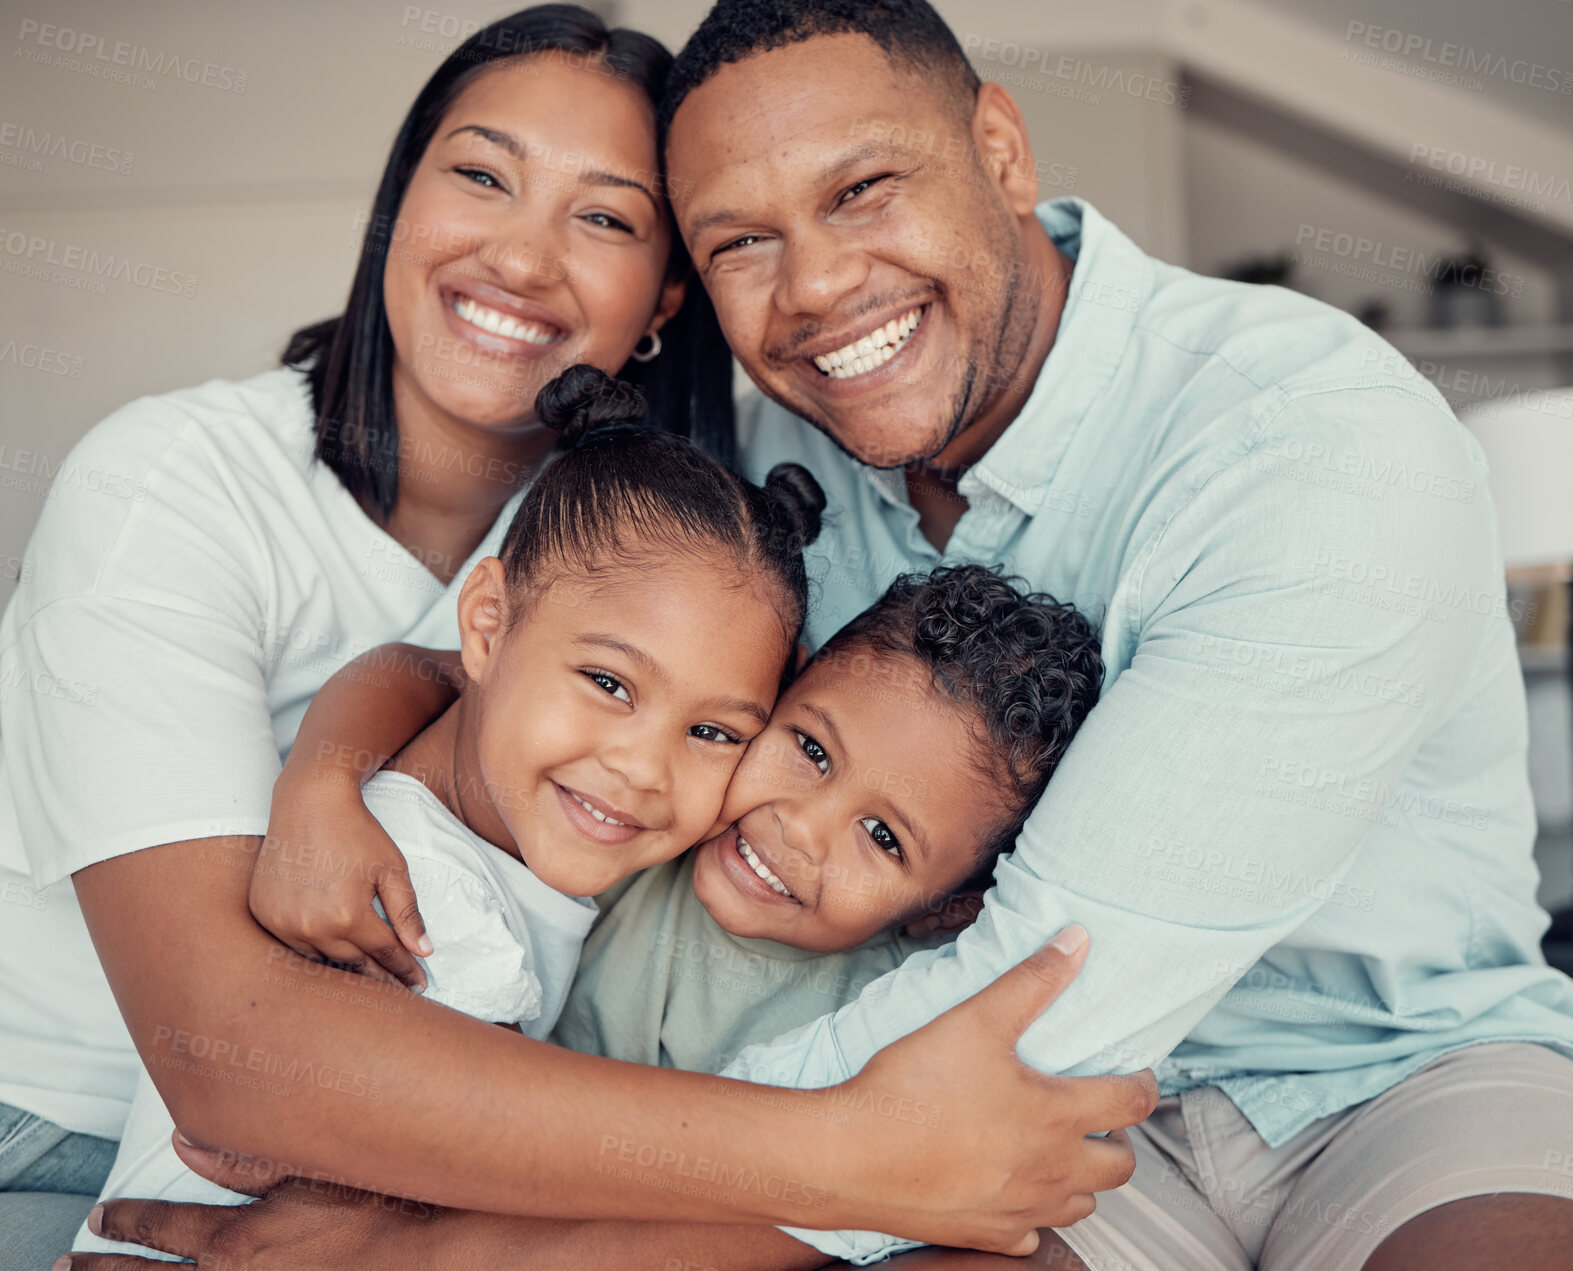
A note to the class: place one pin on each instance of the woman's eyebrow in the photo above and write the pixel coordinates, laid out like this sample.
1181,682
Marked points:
594,176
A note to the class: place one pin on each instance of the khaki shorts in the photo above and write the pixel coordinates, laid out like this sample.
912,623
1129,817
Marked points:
1209,1195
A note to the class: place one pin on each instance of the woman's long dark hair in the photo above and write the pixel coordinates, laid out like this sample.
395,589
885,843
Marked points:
349,360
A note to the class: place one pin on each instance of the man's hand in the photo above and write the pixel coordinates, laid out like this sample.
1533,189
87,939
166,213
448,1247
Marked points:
297,1224
1001,1149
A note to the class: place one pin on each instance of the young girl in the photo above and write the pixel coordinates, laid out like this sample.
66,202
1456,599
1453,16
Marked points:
618,654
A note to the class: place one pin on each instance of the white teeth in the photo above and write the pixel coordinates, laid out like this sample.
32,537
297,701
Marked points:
759,867
501,324
874,349
598,815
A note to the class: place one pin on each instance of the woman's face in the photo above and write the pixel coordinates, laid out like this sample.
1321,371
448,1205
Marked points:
532,237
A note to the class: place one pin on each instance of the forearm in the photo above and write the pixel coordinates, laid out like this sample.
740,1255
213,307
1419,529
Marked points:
462,1241
369,709
258,1050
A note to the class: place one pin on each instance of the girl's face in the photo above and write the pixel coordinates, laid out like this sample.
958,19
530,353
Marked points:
532,236
858,807
605,723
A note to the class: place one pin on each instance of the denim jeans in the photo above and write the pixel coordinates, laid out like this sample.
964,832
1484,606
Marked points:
49,1179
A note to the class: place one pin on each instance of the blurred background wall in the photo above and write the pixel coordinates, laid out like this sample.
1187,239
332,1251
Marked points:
1407,160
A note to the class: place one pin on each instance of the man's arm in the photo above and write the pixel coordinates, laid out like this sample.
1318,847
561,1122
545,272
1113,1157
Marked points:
305,1226
1248,667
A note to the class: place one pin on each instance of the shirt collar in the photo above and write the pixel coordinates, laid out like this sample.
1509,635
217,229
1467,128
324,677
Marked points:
1110,282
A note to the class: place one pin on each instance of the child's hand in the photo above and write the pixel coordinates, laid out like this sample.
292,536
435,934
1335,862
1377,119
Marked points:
324,860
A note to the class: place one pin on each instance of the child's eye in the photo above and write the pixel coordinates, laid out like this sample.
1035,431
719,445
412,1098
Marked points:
815,752
714,732
610,683
880,833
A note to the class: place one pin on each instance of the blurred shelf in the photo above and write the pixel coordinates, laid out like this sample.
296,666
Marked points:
1543,657
1521,341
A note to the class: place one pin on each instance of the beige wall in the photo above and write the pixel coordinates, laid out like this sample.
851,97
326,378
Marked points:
236,199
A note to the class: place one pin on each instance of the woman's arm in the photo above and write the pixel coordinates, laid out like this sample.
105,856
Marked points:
326,858
342,1077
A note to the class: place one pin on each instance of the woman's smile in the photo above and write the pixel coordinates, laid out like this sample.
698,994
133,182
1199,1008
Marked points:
499,322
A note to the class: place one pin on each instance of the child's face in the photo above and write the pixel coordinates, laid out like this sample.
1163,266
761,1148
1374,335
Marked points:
629,697
861,800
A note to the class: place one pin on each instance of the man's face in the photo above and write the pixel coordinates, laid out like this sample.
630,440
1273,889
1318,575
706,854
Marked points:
867,265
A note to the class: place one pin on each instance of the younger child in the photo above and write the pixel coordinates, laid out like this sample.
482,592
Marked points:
619,655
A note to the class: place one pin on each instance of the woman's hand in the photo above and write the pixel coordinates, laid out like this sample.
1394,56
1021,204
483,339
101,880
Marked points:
324,861
974,1148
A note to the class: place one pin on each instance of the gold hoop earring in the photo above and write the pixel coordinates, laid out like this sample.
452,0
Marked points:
655,347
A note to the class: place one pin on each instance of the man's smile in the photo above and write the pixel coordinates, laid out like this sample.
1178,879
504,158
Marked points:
872,349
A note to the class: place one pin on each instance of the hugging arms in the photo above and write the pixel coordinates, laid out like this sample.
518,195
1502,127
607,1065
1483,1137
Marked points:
593,737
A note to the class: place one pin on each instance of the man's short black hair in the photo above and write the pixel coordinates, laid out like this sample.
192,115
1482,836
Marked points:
911,34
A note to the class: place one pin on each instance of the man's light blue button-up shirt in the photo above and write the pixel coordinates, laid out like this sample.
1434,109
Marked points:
1298,824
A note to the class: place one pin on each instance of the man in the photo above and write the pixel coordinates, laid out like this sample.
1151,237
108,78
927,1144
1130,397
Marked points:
1298,824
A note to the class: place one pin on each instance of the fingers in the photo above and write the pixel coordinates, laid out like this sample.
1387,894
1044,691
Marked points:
1111,1103
251,1175
106,1262
404,912
1025,991
369,947
184,1230
358,951
1109,1163
1027,1244
1075,1209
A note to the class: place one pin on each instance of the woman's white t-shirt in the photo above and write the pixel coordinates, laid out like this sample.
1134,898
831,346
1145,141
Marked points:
505,947
194,578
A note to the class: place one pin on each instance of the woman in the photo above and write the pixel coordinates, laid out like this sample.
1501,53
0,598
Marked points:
171,636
